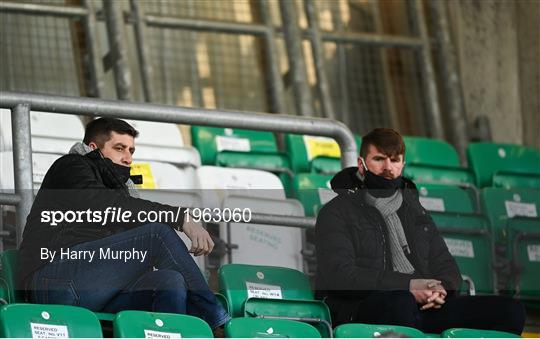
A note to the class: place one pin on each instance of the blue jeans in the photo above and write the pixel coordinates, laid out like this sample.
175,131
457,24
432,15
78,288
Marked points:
167,280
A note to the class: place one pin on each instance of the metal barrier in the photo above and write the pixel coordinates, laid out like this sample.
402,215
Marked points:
21,104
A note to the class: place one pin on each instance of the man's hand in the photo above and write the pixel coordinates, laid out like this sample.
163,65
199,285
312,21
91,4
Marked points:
435,301
201,242
424,289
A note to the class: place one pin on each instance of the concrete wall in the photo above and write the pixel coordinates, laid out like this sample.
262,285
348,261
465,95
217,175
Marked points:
528,14
497,44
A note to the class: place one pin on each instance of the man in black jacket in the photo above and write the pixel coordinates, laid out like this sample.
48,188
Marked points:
87,242
381,260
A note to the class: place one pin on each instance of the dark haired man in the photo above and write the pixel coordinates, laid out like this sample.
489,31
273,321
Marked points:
107,263
381,259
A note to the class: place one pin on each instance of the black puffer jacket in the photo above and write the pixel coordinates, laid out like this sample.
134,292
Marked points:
78,183
353,254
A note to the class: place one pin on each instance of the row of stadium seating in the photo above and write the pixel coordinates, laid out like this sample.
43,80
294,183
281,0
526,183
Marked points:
263,301
56,321
428,160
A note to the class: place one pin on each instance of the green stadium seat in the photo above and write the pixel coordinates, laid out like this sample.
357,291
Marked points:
269,291
430,152
48,321
269,328
504,165
524,252
500,205
466,234
468,240
227,147
313,191
314,154
374,331
140,324
9,260
472,333
432,160
447,198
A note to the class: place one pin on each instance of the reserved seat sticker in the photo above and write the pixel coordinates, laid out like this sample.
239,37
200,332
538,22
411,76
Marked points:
263,291
533,252
520,209
224,143
150,334
48,331
460,248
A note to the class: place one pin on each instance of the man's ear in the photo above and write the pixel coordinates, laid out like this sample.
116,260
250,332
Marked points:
93,145
361,165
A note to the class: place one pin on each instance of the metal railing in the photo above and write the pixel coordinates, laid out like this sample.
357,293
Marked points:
21,104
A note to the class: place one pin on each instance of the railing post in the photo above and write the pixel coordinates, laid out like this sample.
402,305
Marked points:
459,134
297,65
117,56
22,163
435,121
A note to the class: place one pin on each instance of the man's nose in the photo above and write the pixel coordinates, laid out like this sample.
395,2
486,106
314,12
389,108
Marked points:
128,158
387,164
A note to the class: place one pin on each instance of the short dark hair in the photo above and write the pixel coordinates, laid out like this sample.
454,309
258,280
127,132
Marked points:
386,140
99,130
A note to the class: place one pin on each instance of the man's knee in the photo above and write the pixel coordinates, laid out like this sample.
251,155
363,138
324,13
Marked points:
170,280
159,229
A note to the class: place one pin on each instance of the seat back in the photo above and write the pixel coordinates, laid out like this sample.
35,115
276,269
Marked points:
314,154
50,132
446,198
268,328
9,260
237,148
524,253
48,321
158,141
140,324
473,333
430,152
253,191
216,183
442,175
468,240
504,164
211,141
164,176
41,162
240,282
270,291
500,205
313,191
374,331
259,244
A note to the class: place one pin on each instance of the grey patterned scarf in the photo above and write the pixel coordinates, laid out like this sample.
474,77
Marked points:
82,149
398,242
